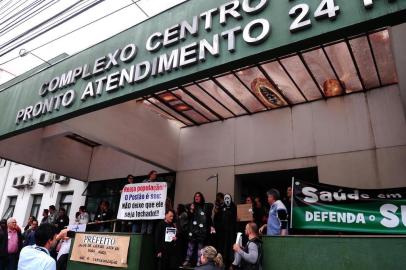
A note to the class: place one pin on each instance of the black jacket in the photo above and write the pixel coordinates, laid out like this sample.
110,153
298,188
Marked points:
200,222
3,243
61,222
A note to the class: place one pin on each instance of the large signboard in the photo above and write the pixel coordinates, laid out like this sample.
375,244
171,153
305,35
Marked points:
332,208
144,201
101,249
188,42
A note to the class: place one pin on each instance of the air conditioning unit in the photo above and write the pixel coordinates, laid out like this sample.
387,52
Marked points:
23,181
45,179
60,179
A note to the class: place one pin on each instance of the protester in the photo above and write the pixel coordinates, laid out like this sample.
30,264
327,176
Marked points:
277,218
83,216
288,202
53,215
147,226
200,227
182,226
62,220
14,242
63,253
249,257
225,217
29,222
29,234
210,259
259,212
3,244
45,216
249,200
134,225
165,243
36,257
104,213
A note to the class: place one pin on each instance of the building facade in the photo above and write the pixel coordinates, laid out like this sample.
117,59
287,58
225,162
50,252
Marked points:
238,101
22,198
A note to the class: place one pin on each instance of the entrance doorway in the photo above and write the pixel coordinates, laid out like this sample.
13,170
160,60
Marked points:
257,184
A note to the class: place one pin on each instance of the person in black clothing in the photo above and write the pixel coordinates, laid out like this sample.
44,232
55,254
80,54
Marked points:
3,244
165,249
225,217
200,226
182,225
62,220
45,216
29,222
259,212
104,213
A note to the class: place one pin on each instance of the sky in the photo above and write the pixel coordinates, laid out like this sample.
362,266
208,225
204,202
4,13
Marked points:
64,38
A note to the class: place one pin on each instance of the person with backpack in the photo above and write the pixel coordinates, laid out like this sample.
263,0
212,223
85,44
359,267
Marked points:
249,257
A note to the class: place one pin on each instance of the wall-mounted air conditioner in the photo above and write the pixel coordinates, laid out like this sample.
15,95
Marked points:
60,179
23,181
45,179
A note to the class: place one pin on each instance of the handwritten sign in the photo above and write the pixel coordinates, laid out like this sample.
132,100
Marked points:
244,212
145,201
101,249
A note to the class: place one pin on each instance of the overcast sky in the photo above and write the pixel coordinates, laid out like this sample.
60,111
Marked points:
129,13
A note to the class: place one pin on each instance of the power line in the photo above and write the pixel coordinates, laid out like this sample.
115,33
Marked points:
15,23
96,2
11,7
70,32
45,29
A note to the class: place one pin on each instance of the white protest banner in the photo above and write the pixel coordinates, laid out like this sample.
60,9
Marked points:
144,201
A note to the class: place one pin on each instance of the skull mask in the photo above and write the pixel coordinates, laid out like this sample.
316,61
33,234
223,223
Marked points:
227,200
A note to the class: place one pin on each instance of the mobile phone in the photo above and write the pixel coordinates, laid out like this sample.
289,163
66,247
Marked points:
71,234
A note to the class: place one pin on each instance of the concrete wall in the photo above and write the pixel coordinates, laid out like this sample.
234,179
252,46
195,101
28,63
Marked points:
357,140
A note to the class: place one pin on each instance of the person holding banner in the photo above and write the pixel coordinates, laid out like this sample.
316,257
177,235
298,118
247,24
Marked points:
147,226
165,242
278,216
200,227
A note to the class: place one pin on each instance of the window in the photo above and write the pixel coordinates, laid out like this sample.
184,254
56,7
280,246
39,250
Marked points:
66,201
11,205
36,204
3,163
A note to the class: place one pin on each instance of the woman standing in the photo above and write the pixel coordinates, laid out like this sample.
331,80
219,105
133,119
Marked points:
200,226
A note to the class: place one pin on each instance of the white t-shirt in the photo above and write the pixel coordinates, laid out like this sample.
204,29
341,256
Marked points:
35,258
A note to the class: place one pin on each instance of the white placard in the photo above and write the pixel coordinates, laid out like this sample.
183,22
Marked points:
144,201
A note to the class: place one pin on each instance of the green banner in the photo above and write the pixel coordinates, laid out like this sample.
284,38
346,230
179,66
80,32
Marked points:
341,209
